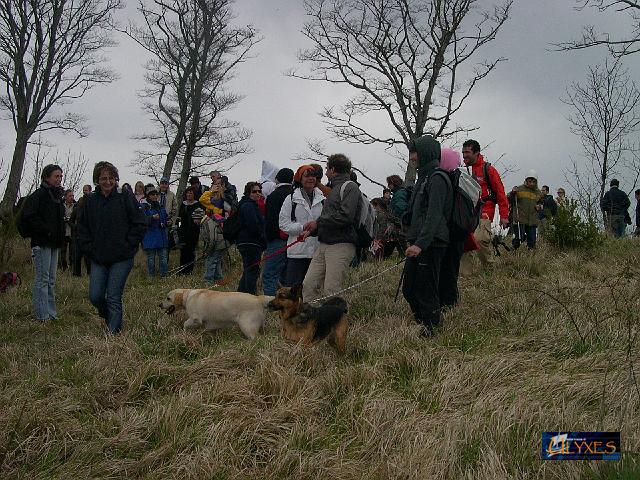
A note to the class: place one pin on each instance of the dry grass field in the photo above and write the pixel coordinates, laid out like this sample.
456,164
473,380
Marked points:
548,341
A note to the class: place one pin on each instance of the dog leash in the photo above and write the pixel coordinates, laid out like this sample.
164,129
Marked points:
300,239
359,283
177,270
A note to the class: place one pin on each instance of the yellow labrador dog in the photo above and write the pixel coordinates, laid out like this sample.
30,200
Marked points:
215,310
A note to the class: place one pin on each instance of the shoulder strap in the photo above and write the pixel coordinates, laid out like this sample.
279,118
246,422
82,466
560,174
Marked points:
444,174
342,187
293,208
487,180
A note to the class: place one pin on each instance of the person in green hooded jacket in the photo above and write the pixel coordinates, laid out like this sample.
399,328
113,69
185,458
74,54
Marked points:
430,272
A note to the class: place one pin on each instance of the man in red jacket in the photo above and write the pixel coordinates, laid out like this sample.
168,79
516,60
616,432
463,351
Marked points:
492,194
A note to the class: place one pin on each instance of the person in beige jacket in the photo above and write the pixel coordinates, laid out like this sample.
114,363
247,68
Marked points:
168,200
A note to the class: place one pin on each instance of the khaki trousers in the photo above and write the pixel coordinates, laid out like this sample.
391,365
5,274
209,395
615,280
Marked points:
485,254
327,270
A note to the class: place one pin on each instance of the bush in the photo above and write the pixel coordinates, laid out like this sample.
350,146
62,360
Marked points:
569,230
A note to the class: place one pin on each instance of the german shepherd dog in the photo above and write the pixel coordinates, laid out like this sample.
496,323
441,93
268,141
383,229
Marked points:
303,322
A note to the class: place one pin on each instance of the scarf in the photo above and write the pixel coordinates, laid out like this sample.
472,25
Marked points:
308,197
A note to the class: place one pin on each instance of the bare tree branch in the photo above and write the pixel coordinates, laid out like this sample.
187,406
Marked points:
195,50
402,58
592,37
605,116
50,55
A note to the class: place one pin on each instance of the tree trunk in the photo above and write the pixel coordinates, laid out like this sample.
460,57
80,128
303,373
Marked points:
410,175
172,154
411,172
184,174
15,174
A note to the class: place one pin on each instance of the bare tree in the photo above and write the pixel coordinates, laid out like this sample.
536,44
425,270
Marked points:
592,37
50,54
195,52
74,168
404,59
606,117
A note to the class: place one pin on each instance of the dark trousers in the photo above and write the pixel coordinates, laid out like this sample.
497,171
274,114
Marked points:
65,259
421,285
77,261
296,270
449,271
187,257
525,233
250,254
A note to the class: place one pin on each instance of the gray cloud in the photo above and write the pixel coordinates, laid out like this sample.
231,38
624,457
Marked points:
517,109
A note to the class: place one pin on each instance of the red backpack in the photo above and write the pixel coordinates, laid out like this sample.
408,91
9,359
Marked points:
9,280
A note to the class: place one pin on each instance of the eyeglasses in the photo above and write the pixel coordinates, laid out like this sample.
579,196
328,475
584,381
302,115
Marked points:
256,191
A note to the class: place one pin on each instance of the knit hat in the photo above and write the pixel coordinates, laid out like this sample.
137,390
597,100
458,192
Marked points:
285,175
614,183
193,180
532,174
152,191
164,180
300,172
449,159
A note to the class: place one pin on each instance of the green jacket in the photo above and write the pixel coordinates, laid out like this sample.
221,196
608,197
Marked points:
525,205
399,203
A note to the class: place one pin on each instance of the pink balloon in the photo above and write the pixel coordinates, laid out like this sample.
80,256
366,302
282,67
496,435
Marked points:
450,159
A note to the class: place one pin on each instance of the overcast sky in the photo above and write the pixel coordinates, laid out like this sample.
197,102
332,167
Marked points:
517,109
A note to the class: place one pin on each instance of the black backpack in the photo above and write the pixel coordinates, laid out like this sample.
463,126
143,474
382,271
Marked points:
492,196
293,208
466,205
233,224
21,225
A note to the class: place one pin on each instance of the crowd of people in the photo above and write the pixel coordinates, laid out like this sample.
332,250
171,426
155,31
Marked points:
291,227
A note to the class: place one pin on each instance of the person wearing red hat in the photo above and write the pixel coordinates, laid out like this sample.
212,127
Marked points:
301,207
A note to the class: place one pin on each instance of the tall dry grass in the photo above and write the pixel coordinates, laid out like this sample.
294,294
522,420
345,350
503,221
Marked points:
548,341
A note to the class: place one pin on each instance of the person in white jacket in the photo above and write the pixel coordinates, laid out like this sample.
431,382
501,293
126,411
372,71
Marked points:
301,207
268,178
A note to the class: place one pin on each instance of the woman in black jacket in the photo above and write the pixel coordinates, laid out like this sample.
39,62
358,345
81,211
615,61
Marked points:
251,240
43,220
110,228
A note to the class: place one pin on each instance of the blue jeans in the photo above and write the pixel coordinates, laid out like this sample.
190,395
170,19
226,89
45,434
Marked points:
106,284
43,297
163,259
213,266
250,255
274,267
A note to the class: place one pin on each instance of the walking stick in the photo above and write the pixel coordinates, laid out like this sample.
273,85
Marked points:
399,285
518,231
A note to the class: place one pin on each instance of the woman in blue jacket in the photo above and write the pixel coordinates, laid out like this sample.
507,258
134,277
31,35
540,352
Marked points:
251,240
156,240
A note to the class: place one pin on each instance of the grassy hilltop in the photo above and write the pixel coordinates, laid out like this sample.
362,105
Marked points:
546,342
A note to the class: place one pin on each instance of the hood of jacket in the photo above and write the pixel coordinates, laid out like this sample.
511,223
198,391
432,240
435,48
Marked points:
428,149
269,172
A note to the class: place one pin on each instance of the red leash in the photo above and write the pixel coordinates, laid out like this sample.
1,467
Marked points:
277,252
